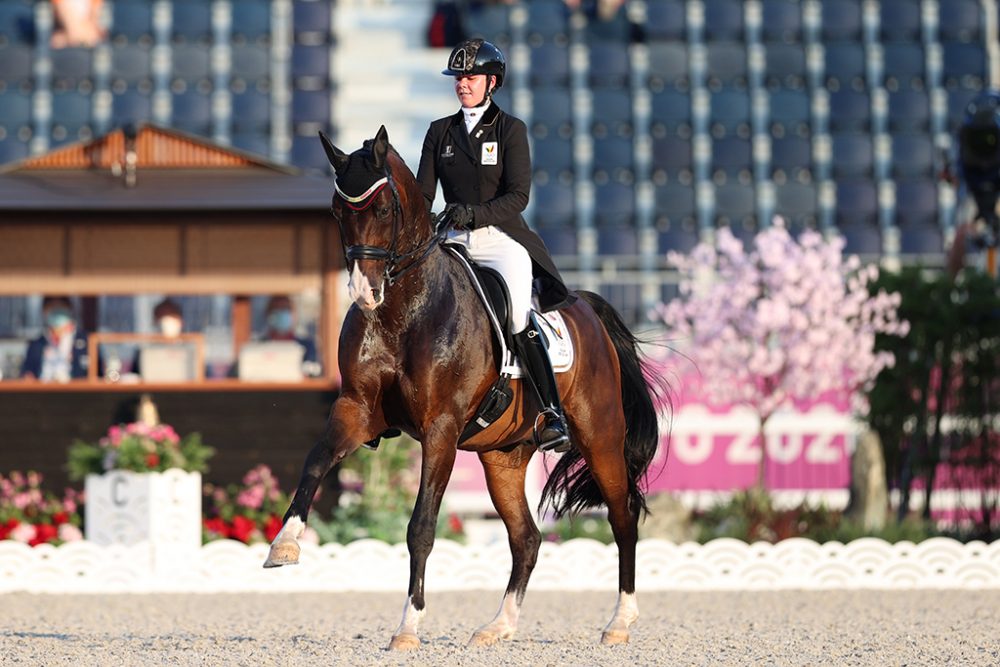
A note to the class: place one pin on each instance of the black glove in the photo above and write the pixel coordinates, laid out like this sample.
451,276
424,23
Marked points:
461,216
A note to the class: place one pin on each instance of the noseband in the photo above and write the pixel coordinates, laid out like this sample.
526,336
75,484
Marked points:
390,255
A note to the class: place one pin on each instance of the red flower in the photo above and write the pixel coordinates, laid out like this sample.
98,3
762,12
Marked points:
59,518
7,527
216,526
44,533
272,528
455,524
152,460
242,528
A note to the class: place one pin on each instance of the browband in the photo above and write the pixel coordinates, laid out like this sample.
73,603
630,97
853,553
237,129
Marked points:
370,192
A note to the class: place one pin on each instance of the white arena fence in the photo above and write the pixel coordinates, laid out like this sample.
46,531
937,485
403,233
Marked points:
368,565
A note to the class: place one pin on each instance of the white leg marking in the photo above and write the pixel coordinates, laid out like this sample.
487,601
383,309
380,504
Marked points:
503,625
411,619
626,613
291,530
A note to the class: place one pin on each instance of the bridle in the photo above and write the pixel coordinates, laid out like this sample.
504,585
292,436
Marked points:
390,255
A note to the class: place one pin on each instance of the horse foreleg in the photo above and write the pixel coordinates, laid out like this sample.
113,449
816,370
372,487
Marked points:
342,437
505,473
435,470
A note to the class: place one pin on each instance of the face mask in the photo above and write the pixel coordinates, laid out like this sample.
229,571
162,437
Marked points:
58,318
280,321
171,326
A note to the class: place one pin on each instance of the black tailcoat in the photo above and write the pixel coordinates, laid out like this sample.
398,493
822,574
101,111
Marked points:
490,170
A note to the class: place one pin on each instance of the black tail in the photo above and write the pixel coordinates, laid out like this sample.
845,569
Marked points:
570,487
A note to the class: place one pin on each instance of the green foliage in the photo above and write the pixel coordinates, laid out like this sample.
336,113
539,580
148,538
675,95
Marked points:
140,448
593,527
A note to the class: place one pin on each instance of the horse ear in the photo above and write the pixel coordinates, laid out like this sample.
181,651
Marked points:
381,147
337,157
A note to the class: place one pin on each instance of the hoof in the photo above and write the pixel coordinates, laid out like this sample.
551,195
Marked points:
612,637
489,637
283,553
404,643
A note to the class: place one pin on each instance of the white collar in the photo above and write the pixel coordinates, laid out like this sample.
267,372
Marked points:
473,115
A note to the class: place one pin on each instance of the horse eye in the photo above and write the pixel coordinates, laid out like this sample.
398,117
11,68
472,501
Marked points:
383,212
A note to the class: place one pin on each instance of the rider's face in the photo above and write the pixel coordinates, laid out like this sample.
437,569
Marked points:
470,89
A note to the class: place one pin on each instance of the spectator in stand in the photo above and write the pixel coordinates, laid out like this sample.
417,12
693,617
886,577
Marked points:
280,314
169,322
77,23
60,353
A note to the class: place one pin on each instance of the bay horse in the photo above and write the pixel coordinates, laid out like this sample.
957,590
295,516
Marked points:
417,354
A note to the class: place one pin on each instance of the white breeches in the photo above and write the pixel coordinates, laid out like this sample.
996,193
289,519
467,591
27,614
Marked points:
490,246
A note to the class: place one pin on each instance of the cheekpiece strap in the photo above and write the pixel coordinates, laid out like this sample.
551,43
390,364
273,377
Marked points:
362,201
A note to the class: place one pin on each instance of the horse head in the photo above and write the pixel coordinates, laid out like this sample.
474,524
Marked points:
384,224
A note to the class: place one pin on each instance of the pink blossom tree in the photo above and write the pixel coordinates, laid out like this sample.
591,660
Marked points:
787,319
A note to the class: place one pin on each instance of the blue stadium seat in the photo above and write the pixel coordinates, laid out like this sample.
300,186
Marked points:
132,22
726,64
553,204
916,202
252,22
252,142
488,21
547,22
17,23
549,66
503,98
192,112
131,107
311,66
251,61
612,111
791,158
560,241
734,205
617,240
551,109
12,149
71,66
192,21
71,112
311,106
671,112
615,29
191,62
857,202
963,65
900,20
307,153
15,64
921,240
790,112
853,154
675,209
612,158
841,20
609,65
912,155
614,204
850,110
311,20
961,21
781,21
904,65
666,20
668,65
861,238
553,155
909,111
251,112
729,112
958,102
672,157
844,64
15,110
681,237
796,203
723,20
785,65
131,63
732,158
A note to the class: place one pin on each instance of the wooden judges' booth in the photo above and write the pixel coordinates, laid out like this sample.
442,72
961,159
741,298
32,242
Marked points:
159,211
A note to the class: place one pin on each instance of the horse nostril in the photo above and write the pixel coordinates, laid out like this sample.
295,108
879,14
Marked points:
377,294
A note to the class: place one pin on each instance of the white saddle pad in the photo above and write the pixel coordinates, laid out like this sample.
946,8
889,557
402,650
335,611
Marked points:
561,352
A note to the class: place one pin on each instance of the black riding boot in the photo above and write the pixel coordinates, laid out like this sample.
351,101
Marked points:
553,434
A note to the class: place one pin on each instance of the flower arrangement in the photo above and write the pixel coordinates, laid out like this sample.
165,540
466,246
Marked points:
31,516
248,513
139,447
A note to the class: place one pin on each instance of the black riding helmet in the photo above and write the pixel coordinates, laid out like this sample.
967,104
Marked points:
477,56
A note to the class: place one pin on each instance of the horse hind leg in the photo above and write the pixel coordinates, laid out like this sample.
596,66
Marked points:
505,475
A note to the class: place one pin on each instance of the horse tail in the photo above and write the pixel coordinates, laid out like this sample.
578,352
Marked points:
570,487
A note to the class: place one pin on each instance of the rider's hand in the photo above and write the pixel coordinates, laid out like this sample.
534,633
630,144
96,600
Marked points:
461,216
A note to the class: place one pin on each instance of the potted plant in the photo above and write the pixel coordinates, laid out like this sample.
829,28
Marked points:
32,516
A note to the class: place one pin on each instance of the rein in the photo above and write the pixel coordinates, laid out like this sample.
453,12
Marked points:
389,255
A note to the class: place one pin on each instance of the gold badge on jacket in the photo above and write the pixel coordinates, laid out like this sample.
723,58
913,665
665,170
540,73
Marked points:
490,152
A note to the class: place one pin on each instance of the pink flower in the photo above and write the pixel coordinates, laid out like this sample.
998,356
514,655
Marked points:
251,498
309,536
69,533
24,532
115,436
22,500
